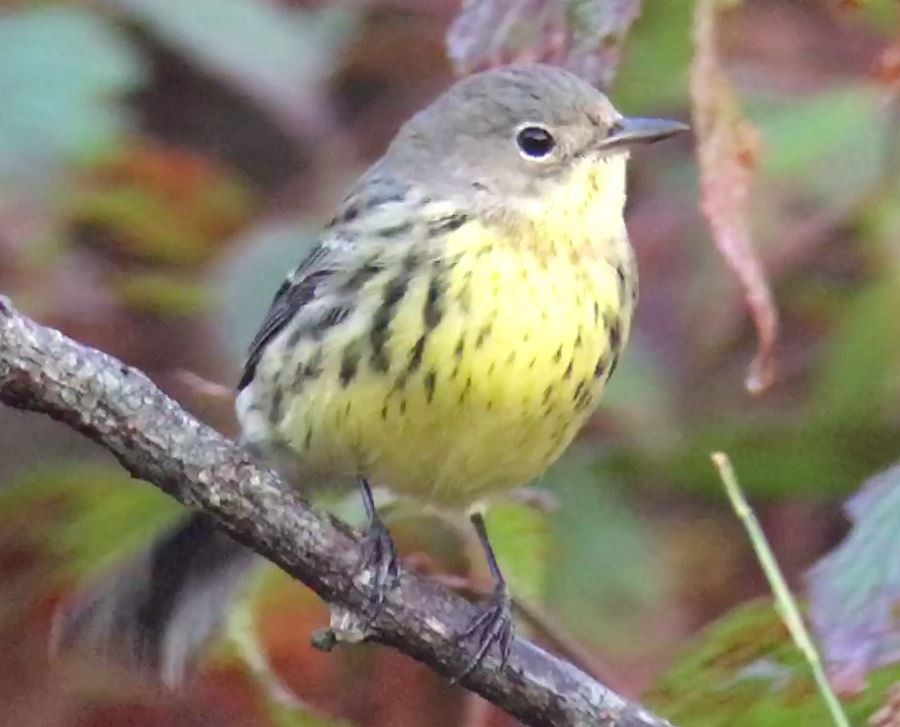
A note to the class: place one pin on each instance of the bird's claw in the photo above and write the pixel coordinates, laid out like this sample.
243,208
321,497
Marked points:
494,625
377,564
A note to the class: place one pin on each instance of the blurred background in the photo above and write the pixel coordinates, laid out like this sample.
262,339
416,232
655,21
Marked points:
164,164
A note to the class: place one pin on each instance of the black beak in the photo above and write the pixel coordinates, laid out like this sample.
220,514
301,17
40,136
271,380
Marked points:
625,132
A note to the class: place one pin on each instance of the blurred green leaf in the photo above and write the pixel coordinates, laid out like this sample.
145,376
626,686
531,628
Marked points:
63,72
520,537
272,53
653,74
847,429
881,221
243,643
777,457
855,589
163,294
141,220
285,716
640,397
844,128
92,511
603,573
859,356
160,205
881,15
744,671
247,281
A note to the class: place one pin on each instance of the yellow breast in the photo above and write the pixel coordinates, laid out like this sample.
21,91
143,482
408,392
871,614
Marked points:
469,371
491,362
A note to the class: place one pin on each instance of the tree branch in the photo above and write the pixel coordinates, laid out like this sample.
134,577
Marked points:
156,440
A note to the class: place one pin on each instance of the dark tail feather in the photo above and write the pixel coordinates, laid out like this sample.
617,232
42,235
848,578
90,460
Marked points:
157,611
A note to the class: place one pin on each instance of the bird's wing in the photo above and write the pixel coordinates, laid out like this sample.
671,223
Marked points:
294,293
374,224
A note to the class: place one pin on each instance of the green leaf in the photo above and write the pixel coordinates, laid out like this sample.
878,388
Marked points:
243,643
520,537
882,16
848,125
164,294
654,70
642,390
604,574
855,589
159,205
744,671
248,280
90,512
861,354
63,72
285,716
272,53
777,457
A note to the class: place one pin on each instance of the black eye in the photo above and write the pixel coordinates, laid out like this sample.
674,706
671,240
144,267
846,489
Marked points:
535,142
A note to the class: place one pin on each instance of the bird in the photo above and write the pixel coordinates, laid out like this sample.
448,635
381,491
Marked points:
445,339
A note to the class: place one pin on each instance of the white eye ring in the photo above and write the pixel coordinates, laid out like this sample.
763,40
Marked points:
535,142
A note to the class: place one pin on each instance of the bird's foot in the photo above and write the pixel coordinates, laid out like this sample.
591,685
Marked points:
494,625
377,568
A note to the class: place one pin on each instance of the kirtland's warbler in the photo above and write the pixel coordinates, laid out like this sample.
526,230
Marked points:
445,339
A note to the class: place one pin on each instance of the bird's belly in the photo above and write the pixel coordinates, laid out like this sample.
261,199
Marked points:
487,372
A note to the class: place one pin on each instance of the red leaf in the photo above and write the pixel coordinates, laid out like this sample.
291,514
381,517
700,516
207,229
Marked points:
728,150
585,36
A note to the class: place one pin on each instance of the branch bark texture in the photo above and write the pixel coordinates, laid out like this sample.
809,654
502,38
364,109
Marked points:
157,441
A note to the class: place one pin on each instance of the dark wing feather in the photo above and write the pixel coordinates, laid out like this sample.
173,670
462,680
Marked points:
294,293
351,233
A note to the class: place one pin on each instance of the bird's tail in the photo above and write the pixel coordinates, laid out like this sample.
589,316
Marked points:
157,611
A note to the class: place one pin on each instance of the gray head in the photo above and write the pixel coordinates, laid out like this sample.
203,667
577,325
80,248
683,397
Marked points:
511,131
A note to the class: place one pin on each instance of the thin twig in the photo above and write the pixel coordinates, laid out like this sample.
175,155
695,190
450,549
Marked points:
244,636
204,387
785,603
